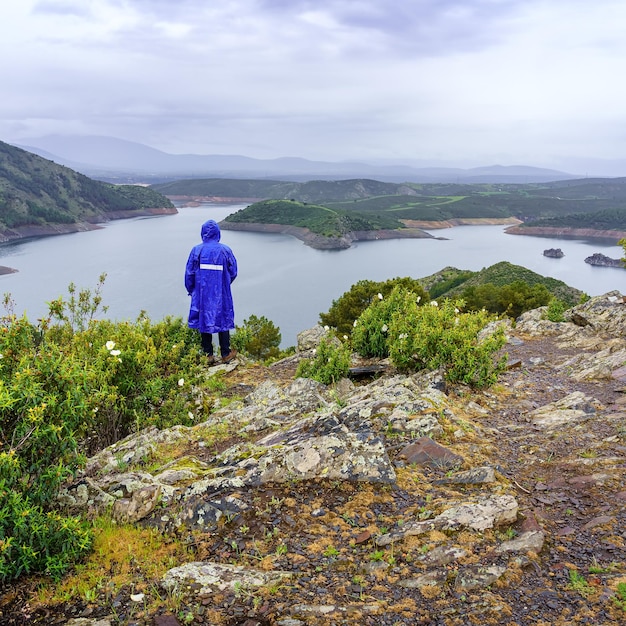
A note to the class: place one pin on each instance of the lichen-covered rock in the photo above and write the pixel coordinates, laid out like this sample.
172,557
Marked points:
477,576
210,577
606,314
311,338
573,408
485,512
529,541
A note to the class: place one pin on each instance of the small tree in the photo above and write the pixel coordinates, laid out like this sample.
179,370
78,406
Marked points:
622,242
258,337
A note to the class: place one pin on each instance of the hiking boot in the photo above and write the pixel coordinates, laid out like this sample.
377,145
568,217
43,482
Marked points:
210,360
229,357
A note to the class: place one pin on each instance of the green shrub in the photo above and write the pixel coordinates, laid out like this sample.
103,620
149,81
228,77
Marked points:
620,596
330,364
258,337
442,287
348,307
555,310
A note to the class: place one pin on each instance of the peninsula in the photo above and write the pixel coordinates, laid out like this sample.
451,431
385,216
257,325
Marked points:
318,226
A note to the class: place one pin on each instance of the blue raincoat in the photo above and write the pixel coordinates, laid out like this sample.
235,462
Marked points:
211,268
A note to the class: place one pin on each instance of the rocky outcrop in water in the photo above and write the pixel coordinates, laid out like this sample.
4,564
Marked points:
603,260
553,253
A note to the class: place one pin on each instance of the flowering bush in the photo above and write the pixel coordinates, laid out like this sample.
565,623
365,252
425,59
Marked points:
370,335
441,336
71,385
437,335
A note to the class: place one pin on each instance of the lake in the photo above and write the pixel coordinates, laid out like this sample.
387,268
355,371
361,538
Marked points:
279,277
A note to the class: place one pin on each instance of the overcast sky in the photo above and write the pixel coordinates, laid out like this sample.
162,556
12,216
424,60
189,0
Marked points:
460,82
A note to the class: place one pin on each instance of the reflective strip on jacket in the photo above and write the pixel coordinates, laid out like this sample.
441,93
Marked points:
211,268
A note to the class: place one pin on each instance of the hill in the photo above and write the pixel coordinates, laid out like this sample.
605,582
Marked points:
450,282
38,196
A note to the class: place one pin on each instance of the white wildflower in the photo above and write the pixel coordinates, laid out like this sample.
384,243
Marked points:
109,345
418,299
354,324
181,382
385,328
190,415
116,352
456,321
137,597
345,338
326,328
403,335
456,310
434,303
380,296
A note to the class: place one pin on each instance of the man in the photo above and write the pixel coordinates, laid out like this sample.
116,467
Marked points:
211,268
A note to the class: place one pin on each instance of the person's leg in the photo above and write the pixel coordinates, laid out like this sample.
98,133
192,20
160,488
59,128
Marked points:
207,343
224,338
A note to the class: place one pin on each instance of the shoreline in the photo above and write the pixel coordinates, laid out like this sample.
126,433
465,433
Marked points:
566,233
462,221
416,230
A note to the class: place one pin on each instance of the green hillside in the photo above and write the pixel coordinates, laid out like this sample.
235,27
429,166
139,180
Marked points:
450,282
318,219
606,219
590,199
35,191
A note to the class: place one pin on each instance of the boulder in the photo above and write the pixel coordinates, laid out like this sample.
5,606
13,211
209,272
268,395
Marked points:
553,253
311,338
605,314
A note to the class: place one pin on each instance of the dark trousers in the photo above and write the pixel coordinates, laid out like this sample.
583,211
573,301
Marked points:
207,342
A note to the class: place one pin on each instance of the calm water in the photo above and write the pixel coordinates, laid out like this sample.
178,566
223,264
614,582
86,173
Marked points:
279,277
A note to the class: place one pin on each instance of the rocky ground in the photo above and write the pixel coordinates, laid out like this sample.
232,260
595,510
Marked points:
400,501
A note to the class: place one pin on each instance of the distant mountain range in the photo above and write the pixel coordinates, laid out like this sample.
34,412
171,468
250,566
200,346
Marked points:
118,160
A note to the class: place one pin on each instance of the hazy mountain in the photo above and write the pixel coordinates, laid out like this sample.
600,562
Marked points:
114,159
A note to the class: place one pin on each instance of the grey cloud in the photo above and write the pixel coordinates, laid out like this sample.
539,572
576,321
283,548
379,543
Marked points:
423,26
62,7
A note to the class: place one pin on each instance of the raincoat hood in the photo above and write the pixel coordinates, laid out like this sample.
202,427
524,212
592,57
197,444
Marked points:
210,231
